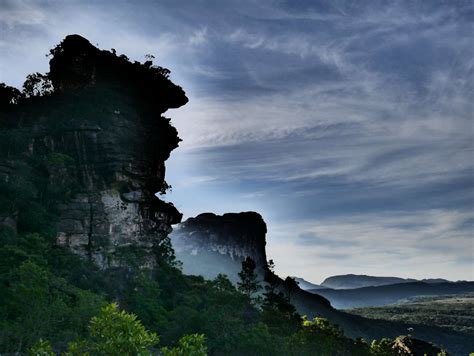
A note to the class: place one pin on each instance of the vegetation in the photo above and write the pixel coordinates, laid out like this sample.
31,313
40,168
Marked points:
37,84
50,294
116,332
454,312
248,283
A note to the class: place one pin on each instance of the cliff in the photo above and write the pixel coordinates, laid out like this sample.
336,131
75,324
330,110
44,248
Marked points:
95,151
210,244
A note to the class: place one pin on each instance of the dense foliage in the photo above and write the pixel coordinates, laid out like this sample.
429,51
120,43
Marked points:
52,295
116,332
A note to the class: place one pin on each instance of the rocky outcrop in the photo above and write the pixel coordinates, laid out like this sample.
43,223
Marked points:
406,345
104,132
210,244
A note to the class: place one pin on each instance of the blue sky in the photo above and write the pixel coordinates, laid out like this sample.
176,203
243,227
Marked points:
347,124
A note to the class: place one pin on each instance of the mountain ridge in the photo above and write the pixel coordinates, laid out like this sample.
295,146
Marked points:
350,281
388,294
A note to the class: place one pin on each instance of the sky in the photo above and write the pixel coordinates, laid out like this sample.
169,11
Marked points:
348,125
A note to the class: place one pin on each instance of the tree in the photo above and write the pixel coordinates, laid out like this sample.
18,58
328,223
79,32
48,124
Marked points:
37,84
188,345
319,337
36,300
116,332
164,253
248,278
9,95
278,313
41,348
291,286
382,347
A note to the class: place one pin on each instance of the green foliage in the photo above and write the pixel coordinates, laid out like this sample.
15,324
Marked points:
319,337
50,294
188,345
382,347
164,253
116,332
41,348
36,304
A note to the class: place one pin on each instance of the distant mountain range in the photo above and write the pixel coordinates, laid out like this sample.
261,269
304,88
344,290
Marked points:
388,294
356,291
351,281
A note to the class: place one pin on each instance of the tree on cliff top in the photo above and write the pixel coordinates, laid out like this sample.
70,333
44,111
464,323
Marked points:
37,84
9,95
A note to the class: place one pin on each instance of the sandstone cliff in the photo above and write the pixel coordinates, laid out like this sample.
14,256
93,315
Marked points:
101,132
210,244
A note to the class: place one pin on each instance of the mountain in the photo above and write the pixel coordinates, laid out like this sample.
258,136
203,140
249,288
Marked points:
305,285
434,280
388,294
350,281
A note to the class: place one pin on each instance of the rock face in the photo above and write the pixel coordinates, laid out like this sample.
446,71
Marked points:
104,124
210,244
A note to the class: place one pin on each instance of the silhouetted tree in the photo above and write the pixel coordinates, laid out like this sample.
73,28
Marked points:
291,286
9,95
277,311
37,84
248,278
